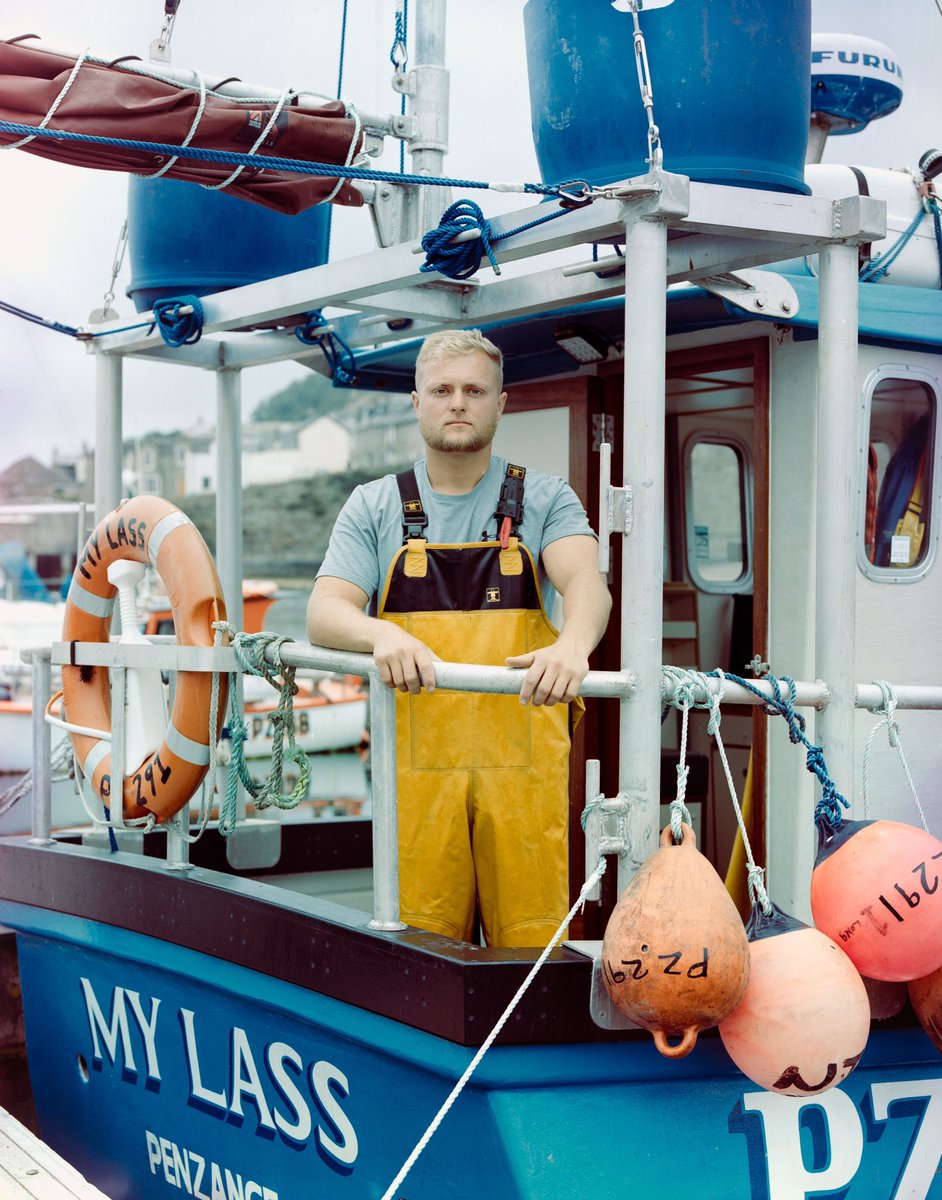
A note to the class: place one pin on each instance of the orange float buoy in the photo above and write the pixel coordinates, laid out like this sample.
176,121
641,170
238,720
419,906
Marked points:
675,957
150,530
926,997
876,890
803,1023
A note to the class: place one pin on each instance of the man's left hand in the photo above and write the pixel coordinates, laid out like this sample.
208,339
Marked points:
554,674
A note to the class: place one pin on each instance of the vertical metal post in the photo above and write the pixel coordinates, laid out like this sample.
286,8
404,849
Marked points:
178,848
108,437
838,413
229,490
429,110
119,694
639,758
42,751
385,815
229,510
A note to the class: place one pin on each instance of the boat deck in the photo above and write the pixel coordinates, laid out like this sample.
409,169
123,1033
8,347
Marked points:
29,1170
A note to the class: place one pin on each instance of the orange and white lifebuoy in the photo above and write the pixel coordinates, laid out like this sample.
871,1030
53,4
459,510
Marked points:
153,531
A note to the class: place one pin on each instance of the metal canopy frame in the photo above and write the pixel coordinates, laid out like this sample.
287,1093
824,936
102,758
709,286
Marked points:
713,230
672,230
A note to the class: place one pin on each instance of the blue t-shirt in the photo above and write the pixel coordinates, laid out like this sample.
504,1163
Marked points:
368,530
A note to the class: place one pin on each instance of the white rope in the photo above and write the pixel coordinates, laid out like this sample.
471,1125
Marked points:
200,109
886,711
55,104
456,1091
276,113
58,760
680,814
681,694
103,735
350,111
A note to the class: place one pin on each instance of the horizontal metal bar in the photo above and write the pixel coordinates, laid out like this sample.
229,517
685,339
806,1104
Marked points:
778,216
869,696
462,677
167,655
164,657
807,695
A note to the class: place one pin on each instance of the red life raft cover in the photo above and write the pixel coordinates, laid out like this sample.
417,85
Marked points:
106,101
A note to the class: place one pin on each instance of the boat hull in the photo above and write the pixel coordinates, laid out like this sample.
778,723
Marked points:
154,1064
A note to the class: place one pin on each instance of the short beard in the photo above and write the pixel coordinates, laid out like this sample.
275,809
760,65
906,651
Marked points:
437,439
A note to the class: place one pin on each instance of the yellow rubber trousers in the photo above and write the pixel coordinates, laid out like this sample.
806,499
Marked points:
483,781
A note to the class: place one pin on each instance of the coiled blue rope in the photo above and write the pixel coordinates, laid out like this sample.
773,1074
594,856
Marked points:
827,813
178,327
458,260
339,356
461,260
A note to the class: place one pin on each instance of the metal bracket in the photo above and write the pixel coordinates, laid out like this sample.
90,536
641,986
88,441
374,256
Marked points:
386,211
616,512
761,292
403,82
603,1012
606,823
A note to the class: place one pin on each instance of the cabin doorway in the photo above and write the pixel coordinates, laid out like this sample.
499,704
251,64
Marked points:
715,584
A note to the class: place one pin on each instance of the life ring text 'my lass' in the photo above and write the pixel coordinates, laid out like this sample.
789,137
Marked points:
153,531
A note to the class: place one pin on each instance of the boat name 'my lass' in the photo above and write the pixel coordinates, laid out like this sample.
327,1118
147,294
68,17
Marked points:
273,1093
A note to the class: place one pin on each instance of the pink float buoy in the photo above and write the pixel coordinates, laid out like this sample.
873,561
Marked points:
876,890
803,1022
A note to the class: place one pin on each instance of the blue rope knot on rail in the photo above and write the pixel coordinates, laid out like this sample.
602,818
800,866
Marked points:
827,813
461,260
458,260
340,358
179,319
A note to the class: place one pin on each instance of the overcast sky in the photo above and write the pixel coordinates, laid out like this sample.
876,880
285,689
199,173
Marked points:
60,224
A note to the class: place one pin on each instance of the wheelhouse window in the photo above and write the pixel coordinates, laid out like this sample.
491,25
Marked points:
898,529
717,476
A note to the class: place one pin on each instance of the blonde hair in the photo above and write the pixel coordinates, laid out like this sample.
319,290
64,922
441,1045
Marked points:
451,342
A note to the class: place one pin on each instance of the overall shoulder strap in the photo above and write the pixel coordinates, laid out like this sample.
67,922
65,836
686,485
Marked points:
509,512
414,517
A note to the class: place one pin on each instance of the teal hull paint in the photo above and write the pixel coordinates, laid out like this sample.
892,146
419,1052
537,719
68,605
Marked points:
141,1096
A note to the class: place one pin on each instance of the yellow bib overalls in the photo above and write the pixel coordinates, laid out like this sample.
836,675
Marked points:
482,780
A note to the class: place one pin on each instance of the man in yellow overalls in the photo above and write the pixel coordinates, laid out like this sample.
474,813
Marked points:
455,558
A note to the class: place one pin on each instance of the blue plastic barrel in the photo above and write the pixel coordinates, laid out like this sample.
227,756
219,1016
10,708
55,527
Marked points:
730,81
184,239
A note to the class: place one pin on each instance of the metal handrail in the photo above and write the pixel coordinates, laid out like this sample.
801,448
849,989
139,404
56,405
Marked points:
166,654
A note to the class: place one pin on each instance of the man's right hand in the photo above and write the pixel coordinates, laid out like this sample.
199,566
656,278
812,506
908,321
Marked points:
336,617
403,661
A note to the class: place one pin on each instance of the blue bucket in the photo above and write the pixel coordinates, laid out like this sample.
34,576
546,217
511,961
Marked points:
186,240
730,81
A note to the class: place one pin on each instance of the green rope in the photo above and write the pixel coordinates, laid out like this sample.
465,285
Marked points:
250,649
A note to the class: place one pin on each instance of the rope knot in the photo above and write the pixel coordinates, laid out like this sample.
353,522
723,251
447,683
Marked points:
459,260
340,358
179,320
